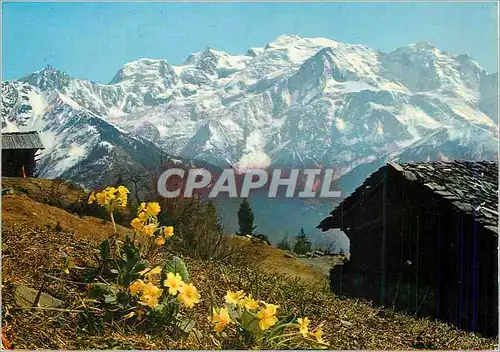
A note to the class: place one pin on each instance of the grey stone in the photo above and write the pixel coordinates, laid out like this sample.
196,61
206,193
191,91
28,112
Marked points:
25,297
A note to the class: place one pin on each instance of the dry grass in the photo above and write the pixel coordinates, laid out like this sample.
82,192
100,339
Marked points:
60,193
32,244
20,209
274,260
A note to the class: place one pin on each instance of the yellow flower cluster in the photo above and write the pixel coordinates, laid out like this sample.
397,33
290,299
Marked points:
304,330
146,223
150,293
241,299
264,312
110,196
187,293
267,316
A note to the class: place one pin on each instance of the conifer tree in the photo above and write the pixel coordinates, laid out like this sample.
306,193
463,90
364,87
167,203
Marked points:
285,244
245,219
302,244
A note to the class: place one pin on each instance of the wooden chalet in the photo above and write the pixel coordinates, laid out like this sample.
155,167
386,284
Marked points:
18,153
424,239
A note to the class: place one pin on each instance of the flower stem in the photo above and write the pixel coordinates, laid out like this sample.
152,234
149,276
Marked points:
113,221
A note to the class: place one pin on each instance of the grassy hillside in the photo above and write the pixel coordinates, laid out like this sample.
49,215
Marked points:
35,234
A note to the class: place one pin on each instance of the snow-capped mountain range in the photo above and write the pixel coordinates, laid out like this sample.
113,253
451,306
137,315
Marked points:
295,101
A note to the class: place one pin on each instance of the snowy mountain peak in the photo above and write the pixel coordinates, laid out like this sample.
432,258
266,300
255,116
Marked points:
209,52
306,100
48,78
144,69
423,46
286,39
253,52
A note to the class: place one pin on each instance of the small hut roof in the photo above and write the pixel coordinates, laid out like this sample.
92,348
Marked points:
21,140
470,186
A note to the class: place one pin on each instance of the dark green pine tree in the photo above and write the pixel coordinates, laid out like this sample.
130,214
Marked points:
284,244
302,244
245,219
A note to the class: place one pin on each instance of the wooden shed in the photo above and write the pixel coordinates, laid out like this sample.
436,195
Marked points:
18,153
424,239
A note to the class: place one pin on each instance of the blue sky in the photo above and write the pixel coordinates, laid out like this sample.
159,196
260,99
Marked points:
93,40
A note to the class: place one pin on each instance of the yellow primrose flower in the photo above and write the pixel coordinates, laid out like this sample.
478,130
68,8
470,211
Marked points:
188,295
110,193
136,223
272,308
234,297
150,295
91,198
303,323
150,229
149,300
318,334
173,282
122,195
220,318
135,287
249,303
123,191
141,207
160,241
143,216
267,316
168,231
101,199
153,208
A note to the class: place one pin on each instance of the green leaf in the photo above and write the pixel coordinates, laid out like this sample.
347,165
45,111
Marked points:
249,321
130,264
141,266
123,299
186,325
99,289
110,298
130,257
107,292
159,308
108,316
287,320
177,266
104,248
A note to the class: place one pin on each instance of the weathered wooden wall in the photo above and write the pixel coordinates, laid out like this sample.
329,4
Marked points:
413,251
14,159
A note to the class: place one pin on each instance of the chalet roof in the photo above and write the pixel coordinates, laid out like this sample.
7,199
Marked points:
21,140
470,186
